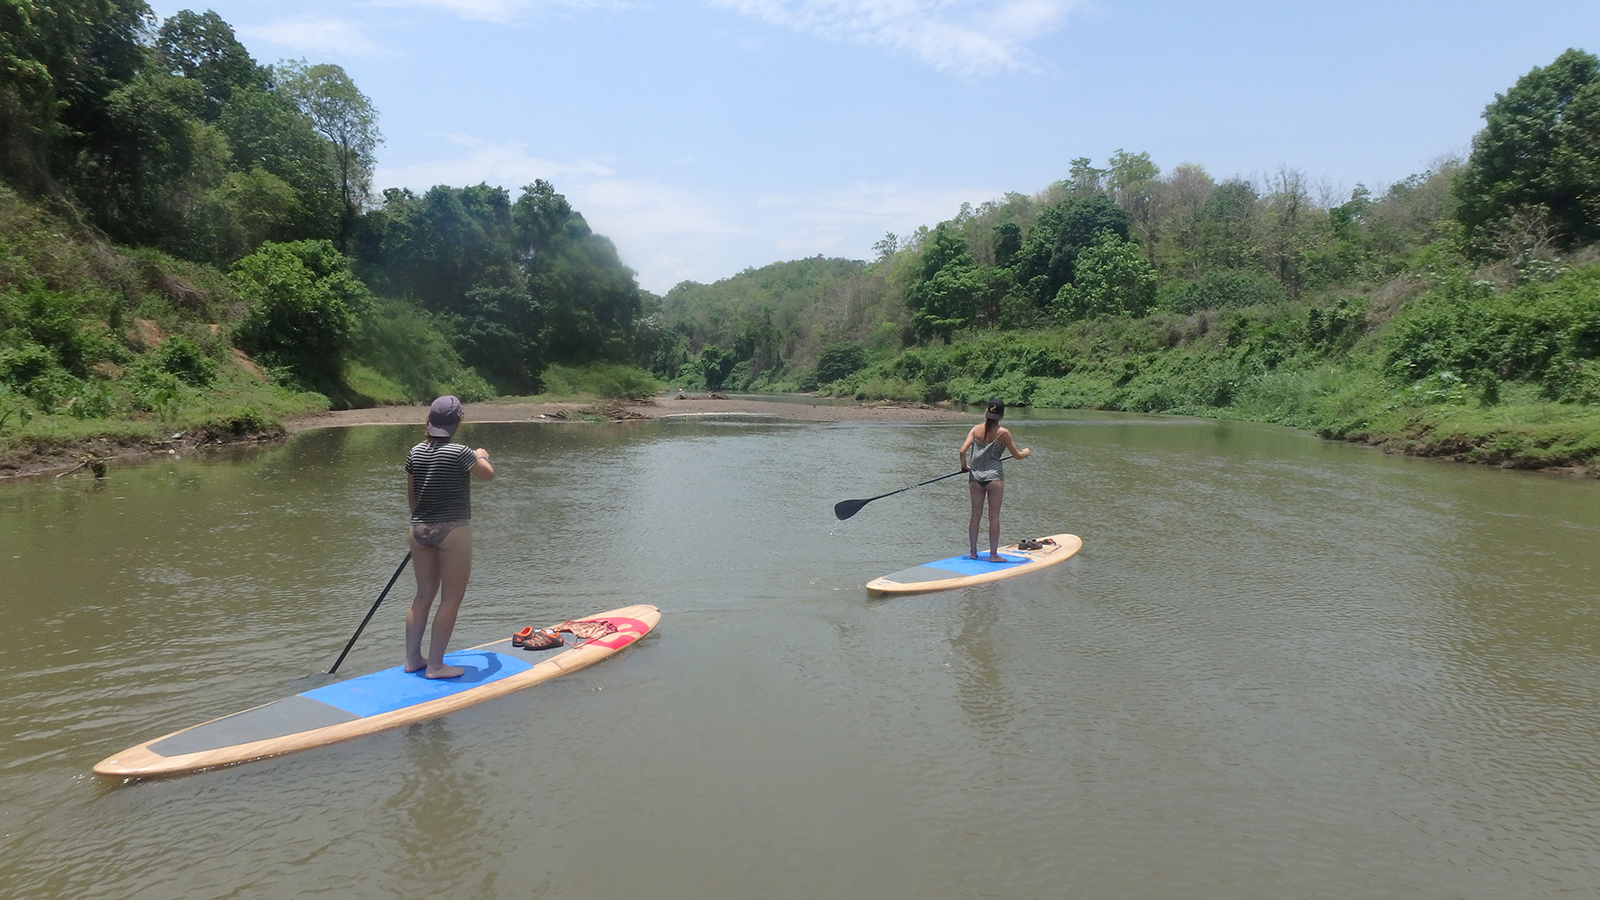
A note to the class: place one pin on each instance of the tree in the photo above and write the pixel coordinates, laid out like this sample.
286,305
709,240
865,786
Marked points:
303,303
59,63
947,286
1539,150
201,48
1085,180
1050,251
347,119
1113,279
1227,229
1133,181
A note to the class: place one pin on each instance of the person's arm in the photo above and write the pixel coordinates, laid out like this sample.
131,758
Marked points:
481,469
1005,438
411,492
961,455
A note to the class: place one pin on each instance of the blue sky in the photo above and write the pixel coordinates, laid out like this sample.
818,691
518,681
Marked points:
708,136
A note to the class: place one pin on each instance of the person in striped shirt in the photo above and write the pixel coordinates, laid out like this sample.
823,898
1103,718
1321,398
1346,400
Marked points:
439,491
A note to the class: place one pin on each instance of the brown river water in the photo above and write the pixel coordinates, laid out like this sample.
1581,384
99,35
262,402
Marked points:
1281,667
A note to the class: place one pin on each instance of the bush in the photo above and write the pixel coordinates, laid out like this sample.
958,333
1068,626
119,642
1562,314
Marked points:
303,306
183,359
403,344
606,380
1226,289
1545,333
840,360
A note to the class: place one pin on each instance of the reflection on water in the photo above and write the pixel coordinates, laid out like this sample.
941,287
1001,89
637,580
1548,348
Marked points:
1280,667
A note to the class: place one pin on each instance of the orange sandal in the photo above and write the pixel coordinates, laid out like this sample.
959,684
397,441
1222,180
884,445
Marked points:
540,640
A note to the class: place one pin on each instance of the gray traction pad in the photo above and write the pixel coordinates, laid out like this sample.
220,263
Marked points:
290,715
918,574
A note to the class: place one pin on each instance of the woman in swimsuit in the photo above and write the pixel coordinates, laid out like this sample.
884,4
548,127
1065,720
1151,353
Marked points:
438,489
986,476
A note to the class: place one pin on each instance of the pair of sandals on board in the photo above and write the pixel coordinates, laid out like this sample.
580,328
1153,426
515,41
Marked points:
550,638
1031,544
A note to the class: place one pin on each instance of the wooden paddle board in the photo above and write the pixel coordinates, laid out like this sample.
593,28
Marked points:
961,571
374,702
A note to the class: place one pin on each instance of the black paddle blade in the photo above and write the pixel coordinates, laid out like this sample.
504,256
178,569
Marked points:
844,509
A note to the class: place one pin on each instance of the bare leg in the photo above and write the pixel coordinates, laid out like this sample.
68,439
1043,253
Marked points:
425,565
455,568
996,490
977,492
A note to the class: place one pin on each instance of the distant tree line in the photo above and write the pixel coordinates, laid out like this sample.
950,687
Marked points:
1125,240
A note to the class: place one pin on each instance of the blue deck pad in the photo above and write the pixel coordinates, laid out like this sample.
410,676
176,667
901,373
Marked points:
394,689
961,565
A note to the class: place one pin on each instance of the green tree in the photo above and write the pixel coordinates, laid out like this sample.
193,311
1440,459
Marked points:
1539,151
1049,253
302,306
60,61
588,298
347,119
1114,279
1228,229
947,286
201,48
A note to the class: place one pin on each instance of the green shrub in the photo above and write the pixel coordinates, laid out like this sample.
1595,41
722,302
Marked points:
403,344
1223,289
606,380
303,306
183,359
840,360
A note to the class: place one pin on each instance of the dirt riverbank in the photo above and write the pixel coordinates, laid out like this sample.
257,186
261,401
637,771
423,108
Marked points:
96,454
692,405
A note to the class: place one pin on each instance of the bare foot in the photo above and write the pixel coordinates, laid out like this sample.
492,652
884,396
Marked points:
972,555
993,558
415,667
443,671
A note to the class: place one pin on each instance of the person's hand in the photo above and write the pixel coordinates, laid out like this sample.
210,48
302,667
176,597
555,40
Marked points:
481,453
1024,453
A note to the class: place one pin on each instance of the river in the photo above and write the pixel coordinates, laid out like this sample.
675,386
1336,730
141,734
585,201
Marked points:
1281,667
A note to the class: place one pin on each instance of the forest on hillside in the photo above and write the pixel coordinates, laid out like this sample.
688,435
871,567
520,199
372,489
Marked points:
1455,311
192,236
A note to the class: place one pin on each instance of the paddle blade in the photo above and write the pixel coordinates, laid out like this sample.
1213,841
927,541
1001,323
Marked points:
844,509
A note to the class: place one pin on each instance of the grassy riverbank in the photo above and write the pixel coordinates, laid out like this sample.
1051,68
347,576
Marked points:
1513,380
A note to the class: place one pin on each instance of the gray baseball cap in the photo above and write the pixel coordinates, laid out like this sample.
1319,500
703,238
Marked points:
444,416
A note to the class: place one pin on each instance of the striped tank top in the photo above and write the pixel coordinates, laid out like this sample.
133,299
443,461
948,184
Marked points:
440,480
984,460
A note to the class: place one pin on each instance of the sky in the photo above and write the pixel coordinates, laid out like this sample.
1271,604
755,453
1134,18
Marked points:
705,137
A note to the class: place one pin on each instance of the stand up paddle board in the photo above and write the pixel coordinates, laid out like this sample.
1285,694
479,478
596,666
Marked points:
961,571
375,702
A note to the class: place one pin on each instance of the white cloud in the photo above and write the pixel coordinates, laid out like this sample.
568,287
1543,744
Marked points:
506,164
505,12
667,233
969,37
670,233
315,34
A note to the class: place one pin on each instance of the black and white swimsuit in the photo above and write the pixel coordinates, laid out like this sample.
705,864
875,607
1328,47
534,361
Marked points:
984,464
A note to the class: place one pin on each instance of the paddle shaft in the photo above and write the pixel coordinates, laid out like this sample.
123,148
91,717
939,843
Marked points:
374,609
844,509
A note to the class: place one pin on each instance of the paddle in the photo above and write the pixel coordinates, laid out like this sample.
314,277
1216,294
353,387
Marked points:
844,509
392,580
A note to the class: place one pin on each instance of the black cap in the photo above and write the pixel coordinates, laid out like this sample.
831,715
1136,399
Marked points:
997,409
